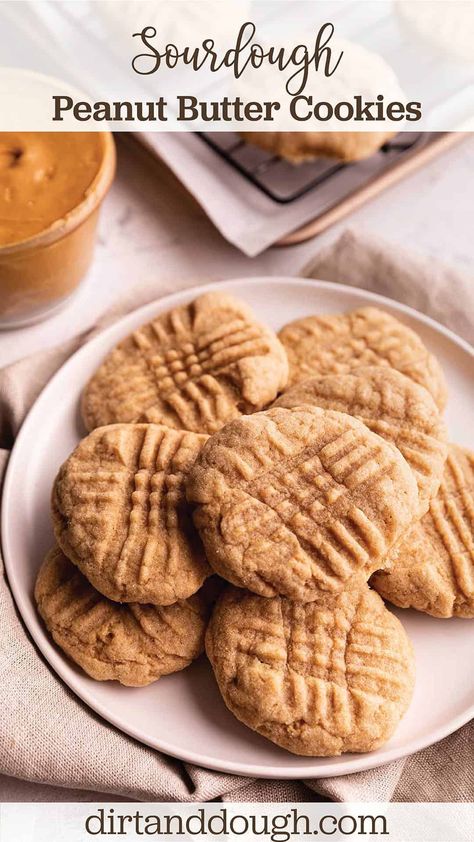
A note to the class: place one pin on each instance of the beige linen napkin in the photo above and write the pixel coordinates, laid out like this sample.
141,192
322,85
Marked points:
50,736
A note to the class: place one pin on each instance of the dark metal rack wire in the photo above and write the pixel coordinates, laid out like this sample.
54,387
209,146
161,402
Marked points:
283,182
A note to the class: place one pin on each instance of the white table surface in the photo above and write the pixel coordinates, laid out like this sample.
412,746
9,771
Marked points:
151,229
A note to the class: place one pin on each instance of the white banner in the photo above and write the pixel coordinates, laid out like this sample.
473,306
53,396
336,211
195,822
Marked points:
257,822
233,65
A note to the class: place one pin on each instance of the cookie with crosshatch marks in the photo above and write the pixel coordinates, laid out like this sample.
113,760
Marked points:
316,680
133,644
432,567
391,405
296,501
192,368
339,343
120,514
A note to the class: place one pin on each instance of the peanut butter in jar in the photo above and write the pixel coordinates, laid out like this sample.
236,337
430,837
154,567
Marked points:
51,188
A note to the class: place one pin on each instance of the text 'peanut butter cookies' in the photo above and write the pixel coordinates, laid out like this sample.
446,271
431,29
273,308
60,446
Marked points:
337,344
317,681
120,513
133,644
296,501
432,568
193,368
391,405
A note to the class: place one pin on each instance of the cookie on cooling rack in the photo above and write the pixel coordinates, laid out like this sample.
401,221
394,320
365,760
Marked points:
297,147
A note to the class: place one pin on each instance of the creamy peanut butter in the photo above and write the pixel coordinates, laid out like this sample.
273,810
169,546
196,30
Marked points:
51,189
43,176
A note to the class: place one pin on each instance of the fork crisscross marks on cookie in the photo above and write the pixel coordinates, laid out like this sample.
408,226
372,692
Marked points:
316,680
120,513
391,405
192,368
134,644
432,568
295,501
337,344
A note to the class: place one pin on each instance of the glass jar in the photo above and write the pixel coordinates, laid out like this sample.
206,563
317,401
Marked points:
40,271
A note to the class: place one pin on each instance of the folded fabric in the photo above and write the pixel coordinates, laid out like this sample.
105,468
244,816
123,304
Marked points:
362,260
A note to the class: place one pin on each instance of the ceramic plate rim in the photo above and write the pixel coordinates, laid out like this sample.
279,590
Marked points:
58,662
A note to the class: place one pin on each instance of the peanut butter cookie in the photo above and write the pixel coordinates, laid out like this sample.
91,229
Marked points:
296,501
120,513
337,344
391,405
318,681
193,368
297,147
432,568
133,644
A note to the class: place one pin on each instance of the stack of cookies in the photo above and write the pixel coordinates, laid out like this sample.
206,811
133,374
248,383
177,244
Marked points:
236,493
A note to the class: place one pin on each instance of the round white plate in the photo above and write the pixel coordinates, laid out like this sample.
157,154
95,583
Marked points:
183,714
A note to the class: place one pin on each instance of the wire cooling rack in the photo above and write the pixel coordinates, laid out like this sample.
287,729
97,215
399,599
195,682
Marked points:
284,182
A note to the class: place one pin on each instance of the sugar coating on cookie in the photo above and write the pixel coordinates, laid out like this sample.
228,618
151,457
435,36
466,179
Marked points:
432,567
306,146
295,501
337,344
133,644
120,513
318,681
192,368
391,405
